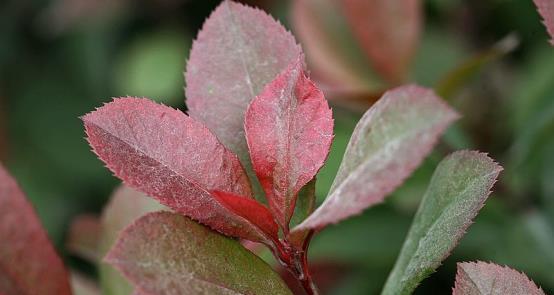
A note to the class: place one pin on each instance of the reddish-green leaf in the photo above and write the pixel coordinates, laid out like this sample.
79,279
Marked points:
251,210
126,205
29,264
238,51
166,253
389,142
289,129
169,156
546,9
480,278
388,31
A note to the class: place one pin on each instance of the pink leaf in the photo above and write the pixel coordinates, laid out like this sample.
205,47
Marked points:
238,51
388,30
476,278
29,264
289,129
387,145
546,9
250,210
164,153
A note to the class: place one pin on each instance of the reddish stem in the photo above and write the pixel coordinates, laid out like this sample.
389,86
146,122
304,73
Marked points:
296,262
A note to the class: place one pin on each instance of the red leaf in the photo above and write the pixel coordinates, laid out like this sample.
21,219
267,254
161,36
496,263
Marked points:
169,156
474,278
251,210
28,262
388,30
238,51
546,9
289,129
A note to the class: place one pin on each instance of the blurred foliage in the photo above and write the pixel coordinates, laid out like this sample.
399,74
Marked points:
60,59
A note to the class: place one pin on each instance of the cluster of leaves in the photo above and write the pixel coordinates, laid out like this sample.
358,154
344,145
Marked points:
29,264
272,130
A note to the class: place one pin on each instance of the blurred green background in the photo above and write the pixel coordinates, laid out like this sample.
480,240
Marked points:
62,58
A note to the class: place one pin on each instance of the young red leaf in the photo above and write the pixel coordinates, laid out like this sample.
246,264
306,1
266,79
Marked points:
238,51
169,156
166,253
251,210
389,142
388,31
546,9
289,129
477,278
29,264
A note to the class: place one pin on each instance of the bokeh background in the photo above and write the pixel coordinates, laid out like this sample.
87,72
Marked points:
62,58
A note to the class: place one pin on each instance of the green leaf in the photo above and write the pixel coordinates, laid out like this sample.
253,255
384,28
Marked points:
167,253
125,206
459,187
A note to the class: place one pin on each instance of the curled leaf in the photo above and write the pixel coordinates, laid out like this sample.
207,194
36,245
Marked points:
29,264
388,143
458,189
479,278
238,51
289,129
169,156
166,253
